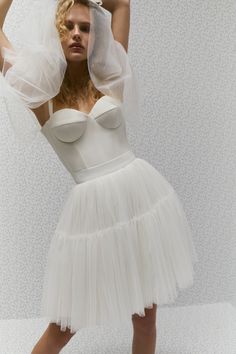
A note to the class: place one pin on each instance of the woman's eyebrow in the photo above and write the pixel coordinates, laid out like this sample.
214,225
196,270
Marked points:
81,22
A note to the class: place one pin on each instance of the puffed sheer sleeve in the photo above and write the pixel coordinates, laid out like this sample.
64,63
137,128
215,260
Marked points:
109,65
33,73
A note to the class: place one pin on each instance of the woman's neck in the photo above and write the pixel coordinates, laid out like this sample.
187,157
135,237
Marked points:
78,73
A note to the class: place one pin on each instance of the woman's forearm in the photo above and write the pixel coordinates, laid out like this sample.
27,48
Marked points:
111,5
4,7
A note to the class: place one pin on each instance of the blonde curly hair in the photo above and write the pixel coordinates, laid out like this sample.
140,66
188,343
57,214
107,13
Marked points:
69,94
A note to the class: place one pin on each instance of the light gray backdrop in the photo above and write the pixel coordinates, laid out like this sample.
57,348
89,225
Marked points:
184,54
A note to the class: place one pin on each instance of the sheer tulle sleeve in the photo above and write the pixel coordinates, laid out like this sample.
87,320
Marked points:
109,65
33,73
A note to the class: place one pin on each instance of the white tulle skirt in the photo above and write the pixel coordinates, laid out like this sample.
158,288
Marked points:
121,244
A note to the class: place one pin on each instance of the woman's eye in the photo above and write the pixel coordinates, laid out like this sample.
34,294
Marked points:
85,29
69,26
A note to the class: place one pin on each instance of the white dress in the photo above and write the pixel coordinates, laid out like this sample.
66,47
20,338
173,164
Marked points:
122,241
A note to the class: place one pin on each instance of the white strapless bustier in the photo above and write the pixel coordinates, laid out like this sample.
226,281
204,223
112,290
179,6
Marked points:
89,144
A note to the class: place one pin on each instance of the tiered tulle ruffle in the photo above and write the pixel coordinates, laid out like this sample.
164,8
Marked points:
121,244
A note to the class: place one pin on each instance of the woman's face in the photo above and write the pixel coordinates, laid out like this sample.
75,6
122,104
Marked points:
78,25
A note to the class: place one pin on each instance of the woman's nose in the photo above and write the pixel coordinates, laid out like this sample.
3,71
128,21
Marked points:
76,31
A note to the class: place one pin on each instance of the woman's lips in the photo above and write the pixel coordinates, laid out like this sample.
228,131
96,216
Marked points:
76,44
76,48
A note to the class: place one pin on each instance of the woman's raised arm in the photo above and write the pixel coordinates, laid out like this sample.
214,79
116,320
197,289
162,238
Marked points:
4,41
120,23
4,7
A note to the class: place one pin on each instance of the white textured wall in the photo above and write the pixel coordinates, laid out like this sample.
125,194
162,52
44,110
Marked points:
184,53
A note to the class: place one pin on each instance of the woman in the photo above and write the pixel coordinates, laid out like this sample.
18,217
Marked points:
122,243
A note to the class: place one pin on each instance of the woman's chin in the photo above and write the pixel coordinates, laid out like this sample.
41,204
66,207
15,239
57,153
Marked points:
76,57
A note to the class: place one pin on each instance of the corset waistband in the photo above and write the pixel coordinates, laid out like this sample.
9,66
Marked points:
86,174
